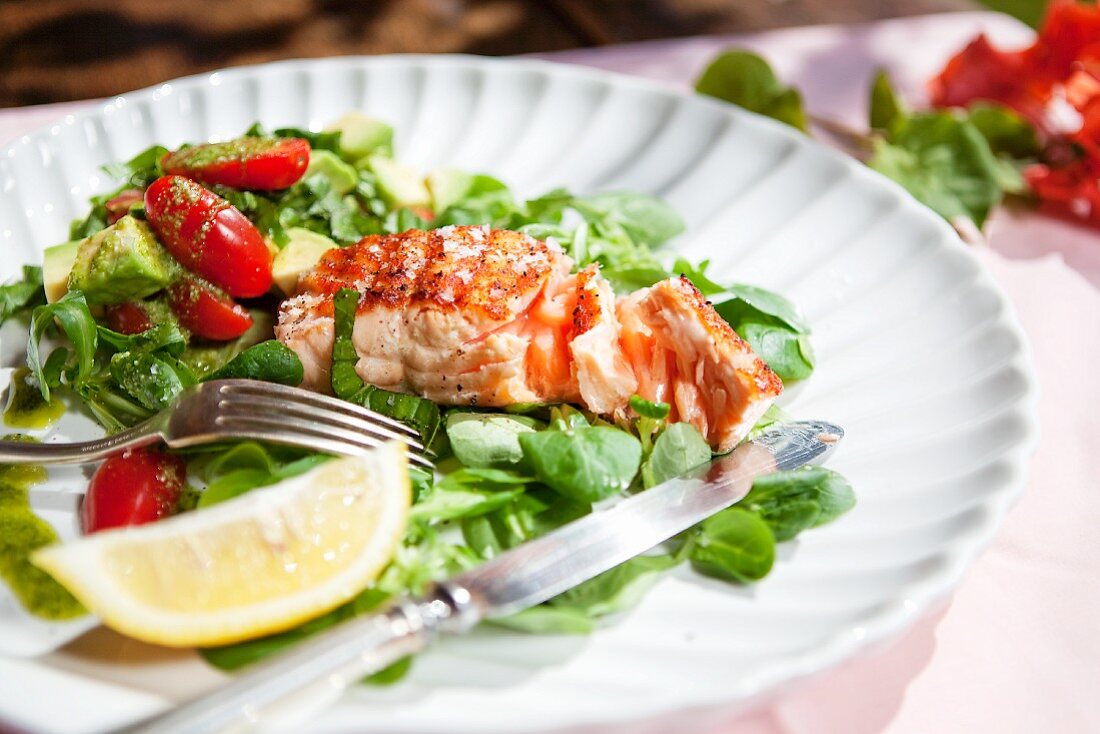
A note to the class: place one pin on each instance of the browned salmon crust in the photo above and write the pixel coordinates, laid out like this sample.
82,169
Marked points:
469,315
467,268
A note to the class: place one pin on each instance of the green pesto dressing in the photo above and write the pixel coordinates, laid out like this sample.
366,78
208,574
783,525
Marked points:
227,152
21,533
26,408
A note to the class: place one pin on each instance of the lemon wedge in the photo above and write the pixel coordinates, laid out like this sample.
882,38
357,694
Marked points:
256,564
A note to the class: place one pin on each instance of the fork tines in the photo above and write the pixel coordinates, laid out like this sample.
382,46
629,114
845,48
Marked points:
293,415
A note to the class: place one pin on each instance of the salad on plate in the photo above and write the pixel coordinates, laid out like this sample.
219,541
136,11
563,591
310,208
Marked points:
550,352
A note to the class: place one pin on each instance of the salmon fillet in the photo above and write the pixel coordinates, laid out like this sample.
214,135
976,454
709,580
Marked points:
468,315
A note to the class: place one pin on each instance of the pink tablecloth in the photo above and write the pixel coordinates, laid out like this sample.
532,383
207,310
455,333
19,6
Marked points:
1017,649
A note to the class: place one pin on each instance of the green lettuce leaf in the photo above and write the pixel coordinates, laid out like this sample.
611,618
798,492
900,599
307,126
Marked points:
747,80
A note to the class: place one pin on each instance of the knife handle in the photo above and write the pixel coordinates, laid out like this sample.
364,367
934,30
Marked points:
321,668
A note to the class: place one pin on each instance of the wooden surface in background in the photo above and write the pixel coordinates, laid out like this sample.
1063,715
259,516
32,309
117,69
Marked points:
57,50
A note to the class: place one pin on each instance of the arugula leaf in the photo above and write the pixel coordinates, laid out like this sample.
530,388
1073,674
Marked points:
746,80
425,557
756,301
679,448
469,492
585,463
488,439
312,203
141,170
734,545
944,161
792,501
317,141
887,109
167,336
146,366
263,210
698,277
112,408
1005,130
153,380
71,312
956,163
144,376
227,482
232,471
136,173
629,279
22,294
788,353
773,327
270,361
404,219
548,619
645,219
487,200
206,358
617,589
531,514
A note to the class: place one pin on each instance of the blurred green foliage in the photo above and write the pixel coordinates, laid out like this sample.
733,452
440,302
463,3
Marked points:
1029,11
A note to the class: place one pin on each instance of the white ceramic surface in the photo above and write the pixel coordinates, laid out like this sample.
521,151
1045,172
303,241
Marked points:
919,359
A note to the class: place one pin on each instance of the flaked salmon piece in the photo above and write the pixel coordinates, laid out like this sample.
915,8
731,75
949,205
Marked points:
468,315
684,354
604,377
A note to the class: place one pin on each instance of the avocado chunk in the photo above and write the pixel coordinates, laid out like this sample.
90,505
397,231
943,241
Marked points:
123,262
57,263
448,186
341,176
361,136
301,253
399,185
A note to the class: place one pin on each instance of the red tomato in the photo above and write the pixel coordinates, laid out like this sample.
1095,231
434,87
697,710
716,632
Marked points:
1069,34
209,236
1025,79
207,312
128,318
132,488
119,206
266,164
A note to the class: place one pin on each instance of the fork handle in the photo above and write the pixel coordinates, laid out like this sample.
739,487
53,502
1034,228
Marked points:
80,452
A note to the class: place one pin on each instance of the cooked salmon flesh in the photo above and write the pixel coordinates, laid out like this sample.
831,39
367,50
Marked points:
468,315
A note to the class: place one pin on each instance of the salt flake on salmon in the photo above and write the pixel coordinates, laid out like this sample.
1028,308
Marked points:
468,315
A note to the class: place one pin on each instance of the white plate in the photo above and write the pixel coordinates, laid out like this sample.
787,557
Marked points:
920,360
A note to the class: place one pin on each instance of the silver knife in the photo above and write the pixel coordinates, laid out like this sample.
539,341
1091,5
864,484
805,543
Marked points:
523,577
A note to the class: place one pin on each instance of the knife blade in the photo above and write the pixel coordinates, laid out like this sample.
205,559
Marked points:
518,579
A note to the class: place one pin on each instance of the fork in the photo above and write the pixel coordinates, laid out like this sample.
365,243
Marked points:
229,410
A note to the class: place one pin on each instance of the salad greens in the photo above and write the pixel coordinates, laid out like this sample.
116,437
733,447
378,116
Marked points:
959,163
21,295
583,462
735,545
747,80
506,476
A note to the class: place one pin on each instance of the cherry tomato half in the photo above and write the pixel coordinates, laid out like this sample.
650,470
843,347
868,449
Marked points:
209,236
265,164
119,206
133,488
128,318
207,312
